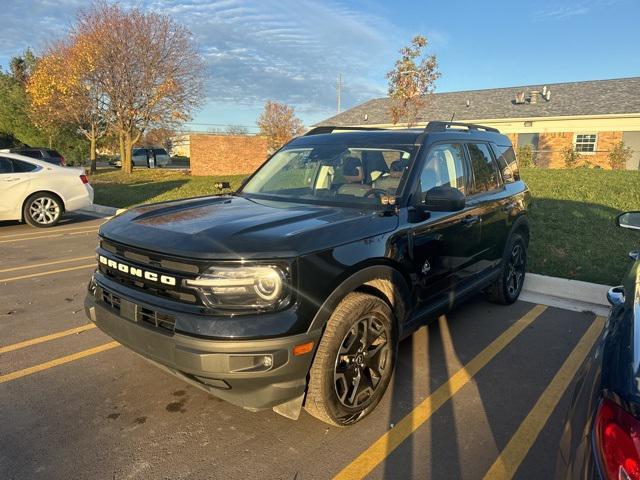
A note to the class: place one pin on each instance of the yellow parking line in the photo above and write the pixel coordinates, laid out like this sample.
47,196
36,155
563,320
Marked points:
13,240
46,338
58,361
387,443
47,231
46,264
49,272
516,450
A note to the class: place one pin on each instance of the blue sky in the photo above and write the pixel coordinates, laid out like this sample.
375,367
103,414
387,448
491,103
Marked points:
293,50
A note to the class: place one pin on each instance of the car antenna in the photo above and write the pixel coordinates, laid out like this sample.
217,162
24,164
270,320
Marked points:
453,115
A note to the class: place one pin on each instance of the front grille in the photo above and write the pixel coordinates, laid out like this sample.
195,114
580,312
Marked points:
139,314
152,262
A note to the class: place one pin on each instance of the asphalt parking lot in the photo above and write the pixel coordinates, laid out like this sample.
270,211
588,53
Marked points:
479,393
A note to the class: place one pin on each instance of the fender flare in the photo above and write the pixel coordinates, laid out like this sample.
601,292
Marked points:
387,280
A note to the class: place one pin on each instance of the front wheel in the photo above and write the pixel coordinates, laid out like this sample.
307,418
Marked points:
42,210
508,285
354,361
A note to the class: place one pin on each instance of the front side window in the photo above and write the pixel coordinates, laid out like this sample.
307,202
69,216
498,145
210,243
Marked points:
332,173
586,143
485,174
444,166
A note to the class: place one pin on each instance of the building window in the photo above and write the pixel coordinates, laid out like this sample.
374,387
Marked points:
586,143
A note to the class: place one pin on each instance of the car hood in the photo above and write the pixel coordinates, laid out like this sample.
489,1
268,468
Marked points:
232,227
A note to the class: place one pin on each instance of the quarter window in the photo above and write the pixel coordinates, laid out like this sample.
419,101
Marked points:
507,163
20,166
444,167
586,143
485,174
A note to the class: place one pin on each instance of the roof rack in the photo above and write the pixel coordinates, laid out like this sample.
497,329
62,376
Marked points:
438,126
330,129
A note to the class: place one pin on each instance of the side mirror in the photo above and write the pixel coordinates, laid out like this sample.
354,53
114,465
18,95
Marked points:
444,199
629,220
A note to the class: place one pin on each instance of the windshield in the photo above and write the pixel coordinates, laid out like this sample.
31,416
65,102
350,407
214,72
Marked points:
333,173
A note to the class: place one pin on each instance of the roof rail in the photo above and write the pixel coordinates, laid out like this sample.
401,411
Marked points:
438,126
330,129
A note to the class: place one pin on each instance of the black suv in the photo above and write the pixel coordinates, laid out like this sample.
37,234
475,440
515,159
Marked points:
296,289
39,153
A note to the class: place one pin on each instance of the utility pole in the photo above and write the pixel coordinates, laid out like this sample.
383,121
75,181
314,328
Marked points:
339,88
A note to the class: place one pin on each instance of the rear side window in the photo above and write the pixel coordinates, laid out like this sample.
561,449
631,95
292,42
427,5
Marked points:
20,166
485,173
5,165
507,163
160,151
53,154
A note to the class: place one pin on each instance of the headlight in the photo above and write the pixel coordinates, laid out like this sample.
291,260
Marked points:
243,287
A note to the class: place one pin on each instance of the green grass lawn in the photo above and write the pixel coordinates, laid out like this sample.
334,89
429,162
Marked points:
573,232
117,189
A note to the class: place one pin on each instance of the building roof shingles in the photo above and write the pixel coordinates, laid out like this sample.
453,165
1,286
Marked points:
597,97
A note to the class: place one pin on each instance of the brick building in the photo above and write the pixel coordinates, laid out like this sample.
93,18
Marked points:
592,117
220,154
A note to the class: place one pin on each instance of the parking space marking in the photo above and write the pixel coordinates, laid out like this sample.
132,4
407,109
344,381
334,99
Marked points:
46,264
46,232
61,234
46,338
387,443
56,362
49,272
511,457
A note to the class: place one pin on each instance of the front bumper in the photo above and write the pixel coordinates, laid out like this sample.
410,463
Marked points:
233,370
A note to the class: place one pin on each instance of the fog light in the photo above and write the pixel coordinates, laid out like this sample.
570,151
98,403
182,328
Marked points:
267,361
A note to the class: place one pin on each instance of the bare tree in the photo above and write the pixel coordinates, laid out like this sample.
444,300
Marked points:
279,124
411,82
147,67
236,130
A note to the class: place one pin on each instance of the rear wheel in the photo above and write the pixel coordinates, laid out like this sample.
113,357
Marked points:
42,210
508,285
354,361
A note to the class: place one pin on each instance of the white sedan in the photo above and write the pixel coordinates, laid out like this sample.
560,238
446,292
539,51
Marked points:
38,192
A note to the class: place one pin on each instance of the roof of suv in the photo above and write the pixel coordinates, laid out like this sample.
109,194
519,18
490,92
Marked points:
410,136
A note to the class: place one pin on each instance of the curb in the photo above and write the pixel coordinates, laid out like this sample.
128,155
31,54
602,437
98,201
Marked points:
103,210
568,294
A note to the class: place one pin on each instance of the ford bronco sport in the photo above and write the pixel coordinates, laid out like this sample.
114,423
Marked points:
296,289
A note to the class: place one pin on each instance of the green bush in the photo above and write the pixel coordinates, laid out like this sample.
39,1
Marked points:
570,157
619,155
525,156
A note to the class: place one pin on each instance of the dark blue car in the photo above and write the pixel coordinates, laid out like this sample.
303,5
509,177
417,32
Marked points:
601,438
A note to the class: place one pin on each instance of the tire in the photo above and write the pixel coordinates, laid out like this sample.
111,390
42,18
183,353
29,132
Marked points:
42,210
347,381
508,285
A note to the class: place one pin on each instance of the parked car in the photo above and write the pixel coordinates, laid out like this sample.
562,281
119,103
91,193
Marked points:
296,289
40,153
38,192
601,437
150,157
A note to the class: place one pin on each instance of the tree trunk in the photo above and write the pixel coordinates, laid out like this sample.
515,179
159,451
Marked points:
50,142
127,164
92,149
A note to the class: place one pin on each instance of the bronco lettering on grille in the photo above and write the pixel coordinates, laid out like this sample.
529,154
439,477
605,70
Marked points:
137,272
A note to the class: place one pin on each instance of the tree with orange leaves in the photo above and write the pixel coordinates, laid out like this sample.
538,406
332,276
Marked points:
410,83
145,65
279,124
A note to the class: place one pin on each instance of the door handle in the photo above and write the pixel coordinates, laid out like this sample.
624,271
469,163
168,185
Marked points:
470,220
